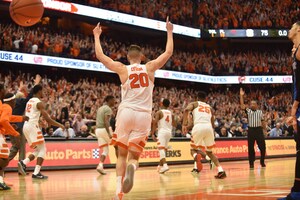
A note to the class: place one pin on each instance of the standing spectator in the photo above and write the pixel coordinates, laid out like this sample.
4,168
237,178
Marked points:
78,123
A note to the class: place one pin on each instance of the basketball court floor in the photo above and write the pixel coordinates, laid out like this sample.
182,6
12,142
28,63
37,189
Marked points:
179,183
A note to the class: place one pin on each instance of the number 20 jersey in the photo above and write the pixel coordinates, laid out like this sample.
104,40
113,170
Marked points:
202,114
137,90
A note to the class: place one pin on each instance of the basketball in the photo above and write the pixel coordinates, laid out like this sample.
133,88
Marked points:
26,13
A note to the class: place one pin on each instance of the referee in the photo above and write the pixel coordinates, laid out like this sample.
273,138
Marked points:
256,127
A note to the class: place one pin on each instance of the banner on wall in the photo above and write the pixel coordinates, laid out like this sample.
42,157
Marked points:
86,153
36,59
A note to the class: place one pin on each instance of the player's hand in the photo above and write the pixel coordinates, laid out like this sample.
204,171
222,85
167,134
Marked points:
37,79
62,127
97,30
25,118
15,126
21,85
293,50
242,92
184,130
154,138
169,25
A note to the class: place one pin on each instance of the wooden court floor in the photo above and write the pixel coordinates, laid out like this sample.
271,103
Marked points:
241,183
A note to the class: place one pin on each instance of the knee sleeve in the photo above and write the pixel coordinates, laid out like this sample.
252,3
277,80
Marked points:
162,154
40,151
105,151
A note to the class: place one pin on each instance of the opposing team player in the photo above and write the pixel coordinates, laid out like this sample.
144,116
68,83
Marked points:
164,120
6,128
133,122
34,108
103,130
294,35
202,133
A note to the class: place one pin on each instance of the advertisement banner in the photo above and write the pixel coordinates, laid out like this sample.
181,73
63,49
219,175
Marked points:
86,153
35,59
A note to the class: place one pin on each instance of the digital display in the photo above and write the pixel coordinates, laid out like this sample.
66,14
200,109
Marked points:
243,33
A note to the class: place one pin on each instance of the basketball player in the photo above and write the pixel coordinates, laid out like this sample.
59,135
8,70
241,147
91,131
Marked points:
34,108
164,120
202,133
103,130
133,121
294,35
7,129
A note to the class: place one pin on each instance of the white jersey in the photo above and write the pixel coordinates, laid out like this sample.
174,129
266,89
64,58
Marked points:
32,112
137,90
202,114
165,123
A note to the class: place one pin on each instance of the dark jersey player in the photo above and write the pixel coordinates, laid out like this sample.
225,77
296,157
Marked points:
294,35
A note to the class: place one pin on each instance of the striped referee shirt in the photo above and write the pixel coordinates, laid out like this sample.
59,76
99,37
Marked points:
254,118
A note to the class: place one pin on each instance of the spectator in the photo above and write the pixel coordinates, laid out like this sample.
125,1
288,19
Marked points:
49,132
276,132
78,123
68,132
225,133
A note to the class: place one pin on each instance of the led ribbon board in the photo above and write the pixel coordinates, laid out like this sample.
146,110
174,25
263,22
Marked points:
34,59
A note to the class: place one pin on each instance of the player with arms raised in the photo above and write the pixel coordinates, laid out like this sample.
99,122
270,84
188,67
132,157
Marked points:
133,122
202,133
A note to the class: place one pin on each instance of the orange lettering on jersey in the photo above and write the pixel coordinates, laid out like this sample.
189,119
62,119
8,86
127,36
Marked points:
204,109
29,106
168,119
139,80
136,69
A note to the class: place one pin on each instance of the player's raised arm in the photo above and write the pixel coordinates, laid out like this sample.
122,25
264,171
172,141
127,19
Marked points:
41,107
107,61
164,57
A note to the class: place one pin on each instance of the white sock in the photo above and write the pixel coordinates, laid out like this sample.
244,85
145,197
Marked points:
220,169
37,169
26,161
207,157
165,165
1,179
195,165
134,166
119,184
100,165
194,155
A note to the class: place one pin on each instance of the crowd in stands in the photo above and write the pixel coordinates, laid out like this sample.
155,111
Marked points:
75,105
44,40
209,13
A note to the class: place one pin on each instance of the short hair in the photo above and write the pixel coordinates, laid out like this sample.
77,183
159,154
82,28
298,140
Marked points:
202,95
166,102
108,98
134,47
36,89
